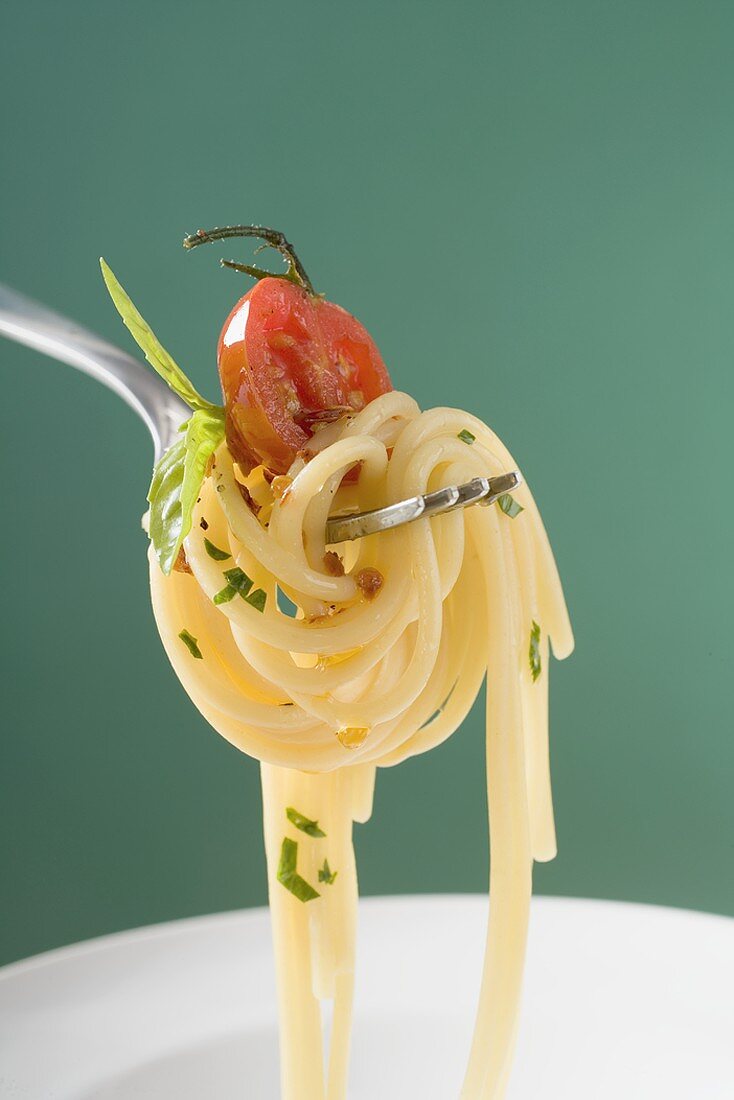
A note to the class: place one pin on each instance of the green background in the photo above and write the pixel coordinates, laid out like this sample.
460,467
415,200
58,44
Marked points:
530,205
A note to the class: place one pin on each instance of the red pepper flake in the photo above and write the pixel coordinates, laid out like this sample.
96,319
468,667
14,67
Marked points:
246,496
181,564
369,581
333,564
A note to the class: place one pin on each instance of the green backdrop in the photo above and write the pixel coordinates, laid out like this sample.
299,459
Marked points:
530,206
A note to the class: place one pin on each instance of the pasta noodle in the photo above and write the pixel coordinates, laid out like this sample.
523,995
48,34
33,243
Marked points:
356,680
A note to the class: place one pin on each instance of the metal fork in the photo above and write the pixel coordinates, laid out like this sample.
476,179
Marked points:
28,322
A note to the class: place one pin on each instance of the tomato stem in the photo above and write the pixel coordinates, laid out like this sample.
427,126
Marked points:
273,238
255,272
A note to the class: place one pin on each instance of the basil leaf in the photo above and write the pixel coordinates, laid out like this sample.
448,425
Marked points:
191,644
509,505
288,876
326,874
534,652
150,346
303,823
177,481
466,436
214,551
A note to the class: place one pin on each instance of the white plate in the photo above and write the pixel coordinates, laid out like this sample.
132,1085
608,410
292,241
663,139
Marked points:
621,1001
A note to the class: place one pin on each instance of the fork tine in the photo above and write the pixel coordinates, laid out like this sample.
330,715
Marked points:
480,490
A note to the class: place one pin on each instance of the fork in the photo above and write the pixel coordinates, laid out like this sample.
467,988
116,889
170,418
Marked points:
30,323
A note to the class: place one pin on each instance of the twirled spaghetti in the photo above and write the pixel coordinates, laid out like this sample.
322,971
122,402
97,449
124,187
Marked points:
365,676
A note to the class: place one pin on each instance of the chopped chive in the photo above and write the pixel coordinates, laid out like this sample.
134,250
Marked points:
191,644
238,583
225,595
256,599
305,824
300,889
466,436
288,876
326,874
509,505
288,857
214,551
534,652
238,580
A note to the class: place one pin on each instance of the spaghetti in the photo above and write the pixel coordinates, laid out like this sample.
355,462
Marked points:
325,663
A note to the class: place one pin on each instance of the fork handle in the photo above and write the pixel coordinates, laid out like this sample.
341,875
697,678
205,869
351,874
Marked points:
28,322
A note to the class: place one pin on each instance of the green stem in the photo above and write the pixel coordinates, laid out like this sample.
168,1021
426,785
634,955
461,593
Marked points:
272,237
257,272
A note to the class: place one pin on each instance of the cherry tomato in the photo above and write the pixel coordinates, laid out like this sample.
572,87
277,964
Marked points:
287,361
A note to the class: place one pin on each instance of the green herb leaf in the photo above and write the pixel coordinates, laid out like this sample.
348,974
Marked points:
288,876
466,436
303,823
178,476
509,505
239,580
257,599
288,858
151,347
228,593
191,644
326,874
214,551
534,651
177,481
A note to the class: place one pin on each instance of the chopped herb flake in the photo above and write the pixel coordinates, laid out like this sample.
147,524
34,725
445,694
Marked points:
509,505
303,823
288,857
466,436
225,595
214,551
326,874
288,876
257,599
191,644
534,652
238,580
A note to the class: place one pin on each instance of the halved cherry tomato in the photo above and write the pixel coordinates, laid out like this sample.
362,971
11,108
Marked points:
287,361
